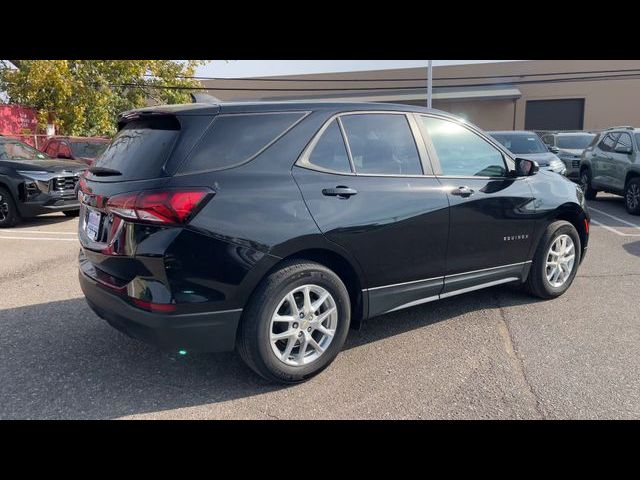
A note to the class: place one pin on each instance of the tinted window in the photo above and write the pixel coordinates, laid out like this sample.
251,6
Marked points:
382,144
520,143
461,152
234,139
575,142
88,149
330,152
608,142
140,149
624,141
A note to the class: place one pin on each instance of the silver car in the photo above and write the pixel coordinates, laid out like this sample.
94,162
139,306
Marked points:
528,145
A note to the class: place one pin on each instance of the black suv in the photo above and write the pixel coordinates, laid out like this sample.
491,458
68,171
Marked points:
274,227
32,183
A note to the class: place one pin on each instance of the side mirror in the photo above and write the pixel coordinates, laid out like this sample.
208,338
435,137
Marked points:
525,167
555,150
625,150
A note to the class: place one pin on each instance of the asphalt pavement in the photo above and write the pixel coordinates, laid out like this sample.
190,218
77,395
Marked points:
495,353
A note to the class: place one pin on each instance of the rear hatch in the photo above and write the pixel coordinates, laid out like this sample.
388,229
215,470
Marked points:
141,158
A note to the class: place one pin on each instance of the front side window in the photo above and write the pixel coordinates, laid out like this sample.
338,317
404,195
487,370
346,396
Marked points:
461,152
608,142
548,140
65,151
382,143
330,153
52,149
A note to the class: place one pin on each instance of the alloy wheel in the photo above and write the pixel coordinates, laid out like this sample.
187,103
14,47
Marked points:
560,260
303,325
584,181
633,196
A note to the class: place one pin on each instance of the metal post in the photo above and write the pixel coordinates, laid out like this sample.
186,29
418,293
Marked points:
429,83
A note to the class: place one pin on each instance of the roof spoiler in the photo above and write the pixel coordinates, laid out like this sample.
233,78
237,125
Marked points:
204,98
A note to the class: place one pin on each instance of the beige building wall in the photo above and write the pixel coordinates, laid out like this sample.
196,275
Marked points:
608,102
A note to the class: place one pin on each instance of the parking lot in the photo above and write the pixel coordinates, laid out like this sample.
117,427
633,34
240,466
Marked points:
494,353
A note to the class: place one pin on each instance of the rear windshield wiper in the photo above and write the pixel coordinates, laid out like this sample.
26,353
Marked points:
104,172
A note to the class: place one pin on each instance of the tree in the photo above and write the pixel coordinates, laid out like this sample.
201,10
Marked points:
85,96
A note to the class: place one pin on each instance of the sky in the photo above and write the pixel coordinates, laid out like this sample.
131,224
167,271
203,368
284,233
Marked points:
260,68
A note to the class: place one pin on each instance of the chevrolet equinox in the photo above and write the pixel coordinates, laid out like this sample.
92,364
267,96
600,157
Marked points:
273,228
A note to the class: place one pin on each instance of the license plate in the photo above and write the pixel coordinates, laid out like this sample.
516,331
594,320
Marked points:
93,224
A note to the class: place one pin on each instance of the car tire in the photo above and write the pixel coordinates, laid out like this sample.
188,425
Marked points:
256,344
585,182
9,215
539,282
71,213
632,196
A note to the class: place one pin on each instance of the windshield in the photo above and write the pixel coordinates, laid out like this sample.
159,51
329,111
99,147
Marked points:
521,143
88,149
574,142
14,150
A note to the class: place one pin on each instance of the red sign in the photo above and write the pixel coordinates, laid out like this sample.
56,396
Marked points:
17,120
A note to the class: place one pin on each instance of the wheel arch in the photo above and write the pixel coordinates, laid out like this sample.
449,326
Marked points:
631,174
576,216
348,271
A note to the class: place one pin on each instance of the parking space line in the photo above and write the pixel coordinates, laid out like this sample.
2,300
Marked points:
611,229
615,218
40,238
37,232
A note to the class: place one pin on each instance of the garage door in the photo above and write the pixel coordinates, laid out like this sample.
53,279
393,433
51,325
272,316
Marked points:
565,114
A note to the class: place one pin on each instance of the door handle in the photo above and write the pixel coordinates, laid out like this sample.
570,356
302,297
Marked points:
340,191
463,191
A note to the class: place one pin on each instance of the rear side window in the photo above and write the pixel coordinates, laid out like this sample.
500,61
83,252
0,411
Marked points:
140,149
330,152
608,142
382,143
235,139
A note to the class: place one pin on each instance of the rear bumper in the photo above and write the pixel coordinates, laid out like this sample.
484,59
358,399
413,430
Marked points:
200,332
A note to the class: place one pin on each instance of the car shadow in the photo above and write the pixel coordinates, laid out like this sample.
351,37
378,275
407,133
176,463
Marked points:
633,248
49,219
60,361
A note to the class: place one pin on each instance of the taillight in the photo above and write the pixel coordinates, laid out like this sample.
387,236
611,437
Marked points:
159,206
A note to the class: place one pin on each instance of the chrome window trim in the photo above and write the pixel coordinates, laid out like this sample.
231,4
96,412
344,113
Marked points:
303,159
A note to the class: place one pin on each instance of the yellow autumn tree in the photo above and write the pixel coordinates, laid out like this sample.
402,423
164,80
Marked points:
85,96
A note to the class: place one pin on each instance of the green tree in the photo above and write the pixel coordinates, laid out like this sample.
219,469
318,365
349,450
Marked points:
85,96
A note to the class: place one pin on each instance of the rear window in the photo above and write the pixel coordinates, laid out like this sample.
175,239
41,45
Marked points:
235,139
140,149
88,149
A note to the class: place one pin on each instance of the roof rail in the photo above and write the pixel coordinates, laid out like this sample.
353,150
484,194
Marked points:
627,127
